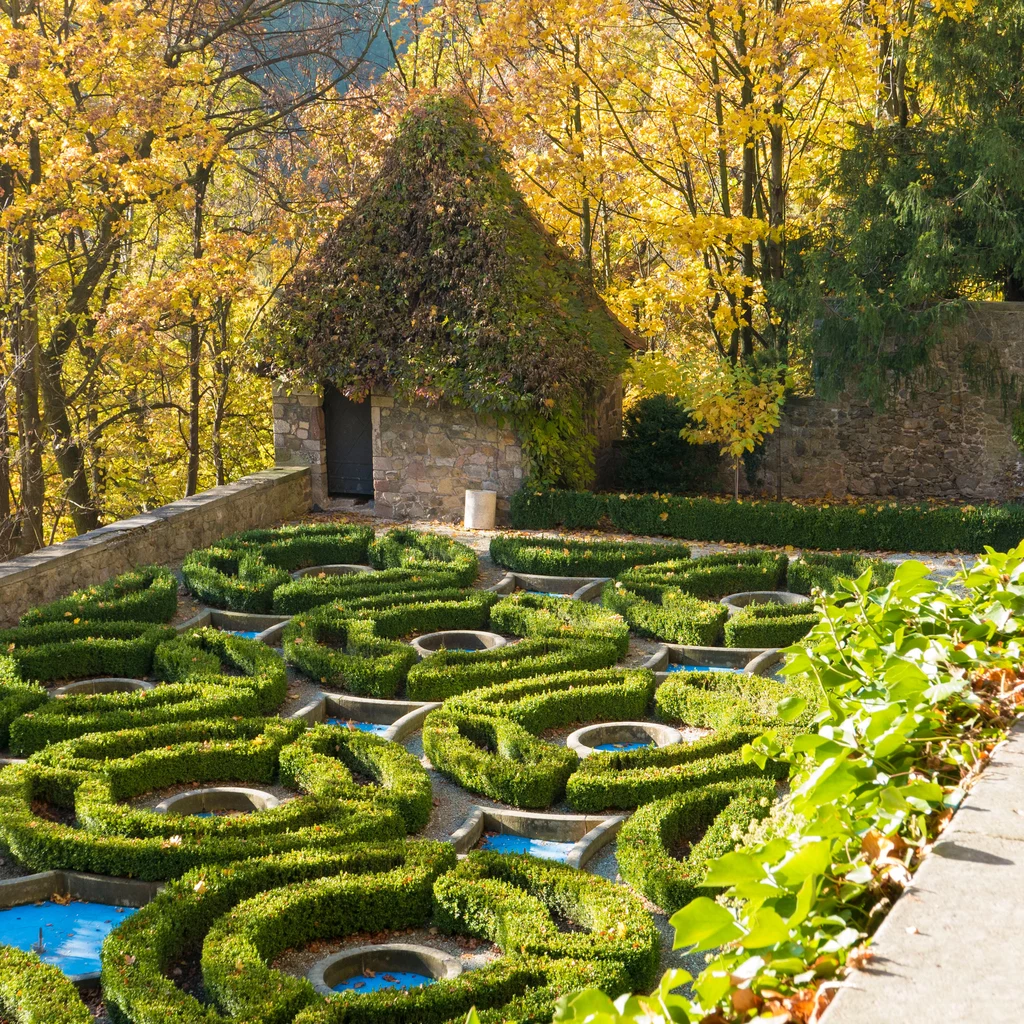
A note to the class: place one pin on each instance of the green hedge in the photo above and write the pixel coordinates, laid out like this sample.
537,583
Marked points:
563,556
358,589
710,820
487,740
883,525
409,549
678,618
138,955
147,594
770,625
241,572
711,577
448,673
32,992
822,571
512,900
631,778
536,616
93,773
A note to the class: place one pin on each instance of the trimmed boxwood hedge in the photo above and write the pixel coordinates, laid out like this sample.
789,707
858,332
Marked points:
712,820
536,616
819,570
194,663
335,808
409,549
448,673
871,526
770,625
627,779
710,577
146,594
358,589
32,992
677,618
564,556
241,572
487,740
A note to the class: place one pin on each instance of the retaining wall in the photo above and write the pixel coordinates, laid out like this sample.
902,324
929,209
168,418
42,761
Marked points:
165,534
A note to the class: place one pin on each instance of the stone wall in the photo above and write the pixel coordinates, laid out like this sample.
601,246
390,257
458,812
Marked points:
426,456
299,436
946,435
163,535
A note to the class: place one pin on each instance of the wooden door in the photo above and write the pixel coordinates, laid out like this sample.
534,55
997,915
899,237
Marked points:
349,445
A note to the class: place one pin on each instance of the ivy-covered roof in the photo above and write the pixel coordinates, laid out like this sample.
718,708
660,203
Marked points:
441,283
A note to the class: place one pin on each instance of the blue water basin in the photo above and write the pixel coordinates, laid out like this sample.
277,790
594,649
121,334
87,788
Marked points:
246,634
382,980
377,730
673,667
72,934
548,593
609,748
543,848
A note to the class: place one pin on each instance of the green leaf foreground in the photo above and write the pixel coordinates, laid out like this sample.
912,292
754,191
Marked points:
910,678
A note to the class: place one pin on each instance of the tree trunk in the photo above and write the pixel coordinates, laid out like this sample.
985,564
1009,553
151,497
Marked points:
195,338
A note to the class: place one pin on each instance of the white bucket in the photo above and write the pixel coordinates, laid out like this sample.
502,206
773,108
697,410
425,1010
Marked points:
481,509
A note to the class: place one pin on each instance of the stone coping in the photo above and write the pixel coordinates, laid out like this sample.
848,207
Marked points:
589,833
218,798
728,657
267,627
950,948
102,684
403,717
390,956
119,892
580,588
737,602
336,569
583,742
456,639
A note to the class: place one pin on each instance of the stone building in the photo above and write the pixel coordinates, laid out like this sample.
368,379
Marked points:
435,321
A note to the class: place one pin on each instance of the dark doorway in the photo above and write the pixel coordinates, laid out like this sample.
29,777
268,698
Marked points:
349,445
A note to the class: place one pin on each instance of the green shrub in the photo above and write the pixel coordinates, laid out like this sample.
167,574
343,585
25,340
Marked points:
448,673
883,525
241,572
770,625
147,594
409,549
536,616
678,618
563,556
653,456
710,821
32,992
357,589
631,778
92,772
487,741
821,571
194,663
711,577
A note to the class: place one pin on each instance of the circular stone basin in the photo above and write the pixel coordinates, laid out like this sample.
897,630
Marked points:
340,569
610,737
469,640
205,803
734,602
372,968
102,684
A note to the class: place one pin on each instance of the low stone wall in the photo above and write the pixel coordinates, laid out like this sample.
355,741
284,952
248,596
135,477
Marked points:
947,434
162,535
426,456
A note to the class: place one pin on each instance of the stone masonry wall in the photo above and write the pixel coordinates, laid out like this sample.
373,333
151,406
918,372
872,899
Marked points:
946,435
299,436
163,535
426,456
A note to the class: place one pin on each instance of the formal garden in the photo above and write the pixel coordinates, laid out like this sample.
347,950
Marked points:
330,773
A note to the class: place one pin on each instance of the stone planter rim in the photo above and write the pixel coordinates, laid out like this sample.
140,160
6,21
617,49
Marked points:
579,588
403,717
326,973
102,684
580,741
333,569
422,645
235,796
717,657
736,602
